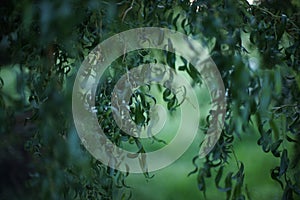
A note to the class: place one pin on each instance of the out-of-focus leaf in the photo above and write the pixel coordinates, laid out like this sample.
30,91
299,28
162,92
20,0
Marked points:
280,27
228,184
166,94
218,178
274,148
275,176
284,162
265,140
288,193
291,140
182,68
195,164
139,115
1,82
201,182
239,176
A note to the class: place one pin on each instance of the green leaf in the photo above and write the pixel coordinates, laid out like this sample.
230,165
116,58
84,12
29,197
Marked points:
171,59
139,115
201,182
274,148
280,28
291,140
175,21
152,97
240,174
194,74
237,193
166,94
1,83
228,184
182,68
218,178
274,128
265,140
171,104
275,176
195,164
284,162
184,61
288,193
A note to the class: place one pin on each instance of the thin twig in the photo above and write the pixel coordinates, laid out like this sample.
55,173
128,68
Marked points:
127,10
284,106
277,16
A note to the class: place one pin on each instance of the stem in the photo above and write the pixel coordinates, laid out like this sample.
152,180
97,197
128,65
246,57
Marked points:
127,10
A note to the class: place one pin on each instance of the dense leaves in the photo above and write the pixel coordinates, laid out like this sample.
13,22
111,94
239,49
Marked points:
256,48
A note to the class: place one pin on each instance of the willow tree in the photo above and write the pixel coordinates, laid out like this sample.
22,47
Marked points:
44,42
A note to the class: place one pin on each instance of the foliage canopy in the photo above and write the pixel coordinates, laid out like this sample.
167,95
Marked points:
256,49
